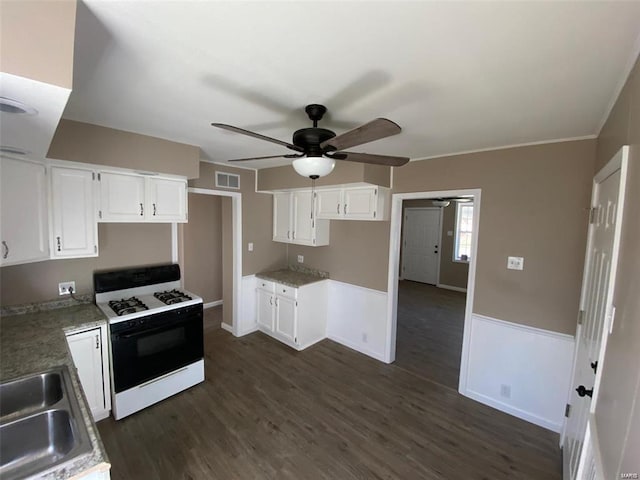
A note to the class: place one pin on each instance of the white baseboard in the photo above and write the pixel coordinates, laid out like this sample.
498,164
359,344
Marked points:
211,304
357,347
451,287
533,364
227,327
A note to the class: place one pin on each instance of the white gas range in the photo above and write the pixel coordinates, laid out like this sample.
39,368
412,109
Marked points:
156,336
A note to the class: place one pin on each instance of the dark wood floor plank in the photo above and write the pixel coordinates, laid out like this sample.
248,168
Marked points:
268,412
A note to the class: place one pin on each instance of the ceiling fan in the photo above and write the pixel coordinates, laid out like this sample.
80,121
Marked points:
317,148
445,201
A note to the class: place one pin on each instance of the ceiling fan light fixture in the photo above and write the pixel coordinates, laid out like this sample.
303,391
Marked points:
440,203
314,167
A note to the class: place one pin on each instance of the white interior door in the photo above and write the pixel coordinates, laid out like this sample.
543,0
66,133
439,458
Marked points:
421,244
596,308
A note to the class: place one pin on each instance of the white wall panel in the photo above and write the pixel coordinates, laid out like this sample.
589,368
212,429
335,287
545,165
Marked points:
533,364
357,318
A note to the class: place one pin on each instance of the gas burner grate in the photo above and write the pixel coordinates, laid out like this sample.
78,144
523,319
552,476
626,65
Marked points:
126,306
172,296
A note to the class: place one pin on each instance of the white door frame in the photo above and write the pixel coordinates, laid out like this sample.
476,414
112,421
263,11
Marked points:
402,225
590,453
236,222
394,258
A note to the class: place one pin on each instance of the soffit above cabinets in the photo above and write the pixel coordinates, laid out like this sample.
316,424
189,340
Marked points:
33,131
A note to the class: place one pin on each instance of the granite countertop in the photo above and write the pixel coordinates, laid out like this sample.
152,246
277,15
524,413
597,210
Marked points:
33,342
294,276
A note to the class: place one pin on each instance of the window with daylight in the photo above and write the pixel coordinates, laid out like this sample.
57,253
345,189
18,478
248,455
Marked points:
464,232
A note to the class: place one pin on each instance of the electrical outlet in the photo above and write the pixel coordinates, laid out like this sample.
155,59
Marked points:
300,258
250,246
63,288
515,263
505,391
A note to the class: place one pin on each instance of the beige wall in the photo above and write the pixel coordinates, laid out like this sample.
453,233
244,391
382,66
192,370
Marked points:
257,219
121,245
529,195
83,142
36,39
344,172
617,418
202,247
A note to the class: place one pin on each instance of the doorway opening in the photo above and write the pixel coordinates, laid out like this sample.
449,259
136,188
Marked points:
432,259
209,251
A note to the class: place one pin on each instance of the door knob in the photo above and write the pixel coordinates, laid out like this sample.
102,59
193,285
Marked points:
583,391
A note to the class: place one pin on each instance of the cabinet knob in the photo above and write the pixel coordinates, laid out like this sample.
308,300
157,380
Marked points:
97,342
338,209
5,254
154,209
345,208
141,210
58,239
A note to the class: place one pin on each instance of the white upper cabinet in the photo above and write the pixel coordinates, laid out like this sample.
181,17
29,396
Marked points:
23,209
122,197
293,220
128,197
167,200
74,227
353,203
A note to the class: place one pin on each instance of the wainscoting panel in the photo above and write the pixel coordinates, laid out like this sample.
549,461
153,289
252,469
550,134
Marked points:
357,318
520,370
247,317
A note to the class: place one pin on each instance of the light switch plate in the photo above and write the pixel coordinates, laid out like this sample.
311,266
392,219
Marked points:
250,246
515,263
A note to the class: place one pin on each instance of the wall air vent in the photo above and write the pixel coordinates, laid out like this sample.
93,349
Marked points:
227,180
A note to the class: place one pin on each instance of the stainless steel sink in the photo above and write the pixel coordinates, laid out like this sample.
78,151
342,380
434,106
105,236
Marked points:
48,430
27,393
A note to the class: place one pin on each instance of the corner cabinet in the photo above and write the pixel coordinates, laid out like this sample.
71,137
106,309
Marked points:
23,210
295,316
294,220
353,203
129,197
91,357
74,227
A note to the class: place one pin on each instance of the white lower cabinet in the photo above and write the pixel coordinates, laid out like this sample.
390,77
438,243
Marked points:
89,350
295,316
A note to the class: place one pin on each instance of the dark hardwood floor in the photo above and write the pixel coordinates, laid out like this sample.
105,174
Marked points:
268,412
429,331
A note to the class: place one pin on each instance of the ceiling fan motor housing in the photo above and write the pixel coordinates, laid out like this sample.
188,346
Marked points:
310,139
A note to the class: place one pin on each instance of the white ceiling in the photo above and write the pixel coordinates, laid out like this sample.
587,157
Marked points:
457,76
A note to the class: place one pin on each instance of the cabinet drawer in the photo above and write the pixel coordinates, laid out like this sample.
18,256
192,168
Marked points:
266,285
286,291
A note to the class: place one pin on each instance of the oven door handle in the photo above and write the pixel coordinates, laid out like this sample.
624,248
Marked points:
143,332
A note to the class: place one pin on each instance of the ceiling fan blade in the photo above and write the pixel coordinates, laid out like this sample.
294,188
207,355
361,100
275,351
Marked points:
293,155
249,133
374,130
370,158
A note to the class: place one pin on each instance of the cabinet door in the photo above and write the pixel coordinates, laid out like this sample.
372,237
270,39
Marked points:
282,217
86,350
23,209
74,225
123,198
329,204
167,200
266,309
286,313
360,203
302,231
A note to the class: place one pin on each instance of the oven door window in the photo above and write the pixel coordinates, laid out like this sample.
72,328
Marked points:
159,347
